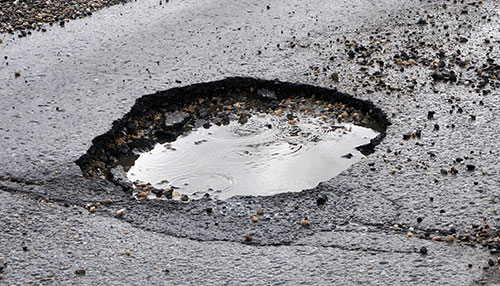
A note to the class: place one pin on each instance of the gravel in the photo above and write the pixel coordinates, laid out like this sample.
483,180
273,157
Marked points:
24,16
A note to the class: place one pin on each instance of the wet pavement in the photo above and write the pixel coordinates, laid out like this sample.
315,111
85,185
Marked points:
74,81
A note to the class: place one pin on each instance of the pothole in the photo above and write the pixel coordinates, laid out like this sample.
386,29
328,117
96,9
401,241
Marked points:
238,136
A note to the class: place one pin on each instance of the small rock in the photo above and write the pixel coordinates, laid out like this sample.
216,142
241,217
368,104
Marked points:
334,77
176,119
209,210
255,219
17,73
108,201
470,167
423,250
348,156
128,253
422,22
157,192
305,222
449,238
260,211
410,235
321,199
491,262
142,195
92,209
248,237
80,271
1,40
436,238
184,198
120,212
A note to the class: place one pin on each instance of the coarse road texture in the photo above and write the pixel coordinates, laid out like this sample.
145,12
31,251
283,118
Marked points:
432,66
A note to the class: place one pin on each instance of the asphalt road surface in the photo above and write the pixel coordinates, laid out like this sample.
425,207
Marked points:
432,66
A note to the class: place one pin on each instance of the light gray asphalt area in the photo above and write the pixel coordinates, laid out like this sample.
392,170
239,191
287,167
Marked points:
76,80
60,240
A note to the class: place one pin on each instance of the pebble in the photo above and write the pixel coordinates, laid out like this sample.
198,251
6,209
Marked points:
449,238
128,253
255,219
423,250
470,167
1,40
209,210
305,222
436,238
142,195
248,237
120,212
108,201
3,265
80,271
260,211
17,73
321,199
92,209
491,262
410,234
453,170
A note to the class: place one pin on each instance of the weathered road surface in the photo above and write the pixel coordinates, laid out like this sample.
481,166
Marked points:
76,80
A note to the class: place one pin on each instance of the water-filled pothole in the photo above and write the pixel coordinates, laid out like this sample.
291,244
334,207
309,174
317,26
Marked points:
238,136
267,154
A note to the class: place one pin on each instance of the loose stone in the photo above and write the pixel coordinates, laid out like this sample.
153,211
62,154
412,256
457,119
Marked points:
321,199
423,250
260,211
450,238
255,219
248,237
92,209
128,253
436,238
305,222
120,212
80,271
142,195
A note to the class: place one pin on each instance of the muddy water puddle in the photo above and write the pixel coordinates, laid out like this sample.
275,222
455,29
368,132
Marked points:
266,154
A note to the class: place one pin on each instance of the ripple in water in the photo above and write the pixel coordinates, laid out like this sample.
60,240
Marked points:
265,156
